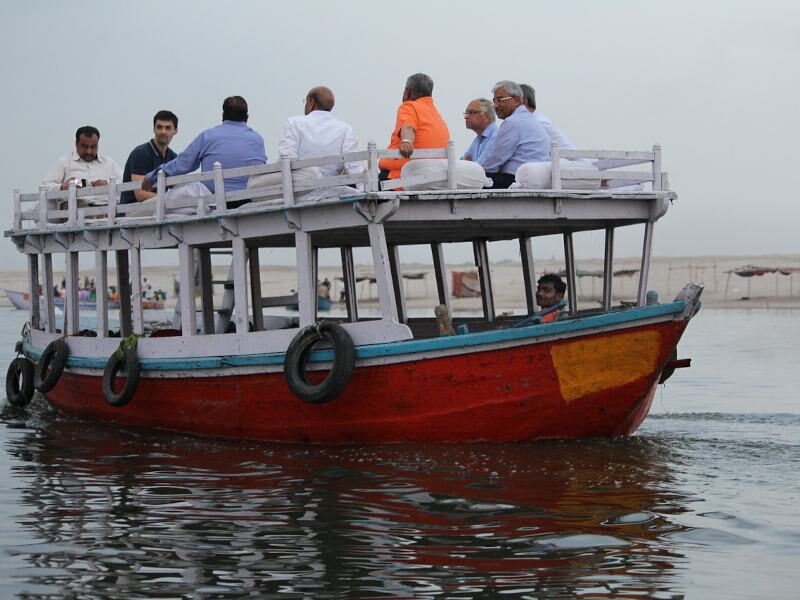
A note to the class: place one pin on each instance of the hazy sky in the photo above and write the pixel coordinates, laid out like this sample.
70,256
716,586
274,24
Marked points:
715,83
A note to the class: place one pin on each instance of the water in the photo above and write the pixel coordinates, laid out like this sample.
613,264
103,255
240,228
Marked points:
701,503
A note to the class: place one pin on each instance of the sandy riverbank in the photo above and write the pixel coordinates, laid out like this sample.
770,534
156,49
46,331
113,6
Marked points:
668,275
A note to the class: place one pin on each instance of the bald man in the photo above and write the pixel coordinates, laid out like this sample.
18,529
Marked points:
318,133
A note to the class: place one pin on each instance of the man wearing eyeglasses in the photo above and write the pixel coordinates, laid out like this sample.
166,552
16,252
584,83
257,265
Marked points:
480,118
520,138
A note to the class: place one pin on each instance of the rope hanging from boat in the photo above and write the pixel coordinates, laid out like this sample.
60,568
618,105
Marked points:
126,359
344,359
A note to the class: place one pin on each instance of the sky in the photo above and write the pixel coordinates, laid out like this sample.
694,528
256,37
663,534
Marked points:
715,83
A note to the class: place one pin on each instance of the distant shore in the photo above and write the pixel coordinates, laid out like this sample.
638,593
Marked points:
723,288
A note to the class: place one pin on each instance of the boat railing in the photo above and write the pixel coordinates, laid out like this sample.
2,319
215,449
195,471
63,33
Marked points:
293,183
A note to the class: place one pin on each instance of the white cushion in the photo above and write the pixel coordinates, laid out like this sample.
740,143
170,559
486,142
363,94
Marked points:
469,175
539,176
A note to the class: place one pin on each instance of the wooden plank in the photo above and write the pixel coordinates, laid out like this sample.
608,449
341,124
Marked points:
219,188
206,288
49,303
572,278
615,154
383,271
101,291
644,271
481,251
241,313
71,305
124,290
418,153
33,290
137,317
397,281
608,269
349,280
255,288
186,302
273,301
306,288
528,273
440,274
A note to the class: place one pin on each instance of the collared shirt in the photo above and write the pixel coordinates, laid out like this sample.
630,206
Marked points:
520,139
72,166
554,132
481,144
143,159
429,126
317,134
232,144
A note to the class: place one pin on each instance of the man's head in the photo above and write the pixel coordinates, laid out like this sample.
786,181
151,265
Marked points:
418,85
550,290
529,97
234,108
479,115
506,97
165,126
86,140
319,98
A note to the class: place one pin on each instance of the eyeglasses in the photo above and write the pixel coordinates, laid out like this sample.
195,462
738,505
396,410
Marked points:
472,112
499,100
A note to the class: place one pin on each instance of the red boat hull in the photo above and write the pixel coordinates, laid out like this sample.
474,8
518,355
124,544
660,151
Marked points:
598,385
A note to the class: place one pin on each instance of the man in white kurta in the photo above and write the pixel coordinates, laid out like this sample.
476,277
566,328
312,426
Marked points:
318,133
84,165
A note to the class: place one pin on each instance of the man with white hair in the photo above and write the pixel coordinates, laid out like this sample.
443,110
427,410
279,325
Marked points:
520,138
480,118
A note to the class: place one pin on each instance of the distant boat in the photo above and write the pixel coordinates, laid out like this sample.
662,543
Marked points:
22,301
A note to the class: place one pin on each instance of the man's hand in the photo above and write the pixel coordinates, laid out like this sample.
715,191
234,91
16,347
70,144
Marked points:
98,182
146,186
406,148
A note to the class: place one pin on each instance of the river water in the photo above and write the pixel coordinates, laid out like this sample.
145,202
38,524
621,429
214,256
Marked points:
700,503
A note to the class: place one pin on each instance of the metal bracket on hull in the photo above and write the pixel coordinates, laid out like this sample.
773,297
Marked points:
374,211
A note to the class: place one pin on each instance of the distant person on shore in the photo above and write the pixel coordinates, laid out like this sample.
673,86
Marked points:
85,166
418,125
318,133
554,132
480,117
150,155
520,138
232,144
550,291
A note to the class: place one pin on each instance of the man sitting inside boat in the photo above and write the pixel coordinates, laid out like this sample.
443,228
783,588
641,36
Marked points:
520,138
315,134
85,166
232,144
418,125
550,291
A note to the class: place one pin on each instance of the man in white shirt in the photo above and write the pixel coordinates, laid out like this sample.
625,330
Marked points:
83,165
319,133
554,132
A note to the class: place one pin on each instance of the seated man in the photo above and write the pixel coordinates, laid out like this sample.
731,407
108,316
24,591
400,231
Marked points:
550,291
232,144
480,118
554,132
150,155
84,166
418,125
520,138
319,133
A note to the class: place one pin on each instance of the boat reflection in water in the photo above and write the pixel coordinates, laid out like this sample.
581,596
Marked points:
112,511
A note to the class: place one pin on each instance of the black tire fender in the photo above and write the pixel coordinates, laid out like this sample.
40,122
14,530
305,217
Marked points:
19,382
128,358
344,360
53,359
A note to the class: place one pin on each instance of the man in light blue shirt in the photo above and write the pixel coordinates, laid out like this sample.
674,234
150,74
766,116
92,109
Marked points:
479,117
232,144
520,139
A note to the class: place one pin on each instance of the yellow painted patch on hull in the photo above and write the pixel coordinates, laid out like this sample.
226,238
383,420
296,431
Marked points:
605,362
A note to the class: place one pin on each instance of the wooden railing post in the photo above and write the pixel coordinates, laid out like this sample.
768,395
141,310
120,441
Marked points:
219,188
372,167
555,161
42,207
656,168
286,175
112,201
17,218
161,196
72,205
451,165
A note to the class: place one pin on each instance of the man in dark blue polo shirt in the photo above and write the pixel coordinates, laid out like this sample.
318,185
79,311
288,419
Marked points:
150,155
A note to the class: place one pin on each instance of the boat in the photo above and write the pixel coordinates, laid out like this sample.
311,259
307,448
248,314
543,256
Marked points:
232,368
22,301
